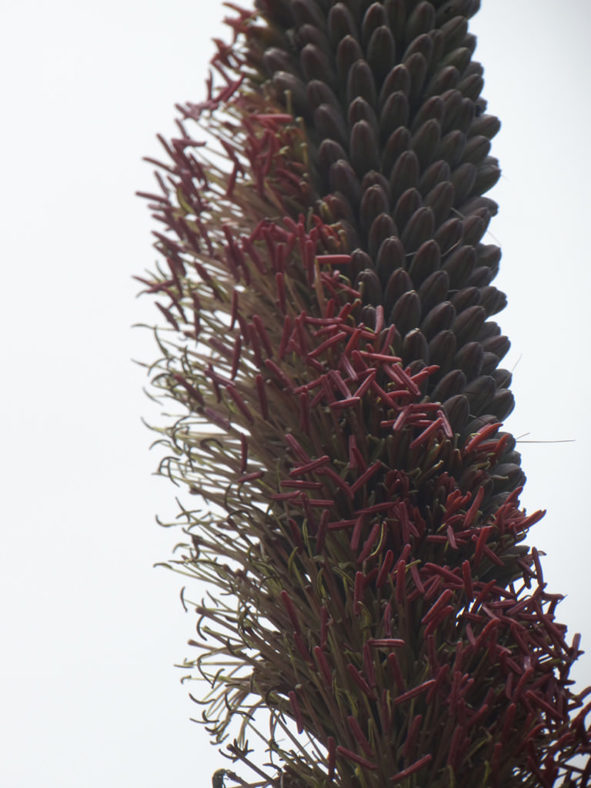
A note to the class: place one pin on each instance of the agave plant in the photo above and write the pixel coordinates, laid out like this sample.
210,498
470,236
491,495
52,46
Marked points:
326,293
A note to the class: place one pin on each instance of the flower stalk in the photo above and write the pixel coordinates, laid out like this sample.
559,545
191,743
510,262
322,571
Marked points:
326,294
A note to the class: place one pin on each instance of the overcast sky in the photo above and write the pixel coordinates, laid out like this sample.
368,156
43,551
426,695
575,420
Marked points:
90,631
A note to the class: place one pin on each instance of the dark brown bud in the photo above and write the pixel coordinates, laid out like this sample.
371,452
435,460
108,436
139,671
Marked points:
425,261
459,265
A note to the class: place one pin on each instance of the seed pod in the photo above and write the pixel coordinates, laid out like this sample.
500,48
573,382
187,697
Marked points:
421,45
406,312
397,80
487,175
330,123
398,283
467,296
498,345
340,24
432,109
381,52
440,199
471,86
415,346
475,226
433,291
374,17
439,318
480,392
418,229
489,363
307,12
425,142
381,228
502,378
329,152
451,384
492,300
445,78
390,257
363,148
417,69
311,34
369,286
486,126
342,178
454,31
275,59
452,147
465,116
502,404
408,203
405,173
358,110
468,323
452,103
469,359
373,202
421,20
459,265
463,179
315,64
287,83
457,409
360,82
426,261
442,349
476,149
398,142
394,113
348,53
318,92
449,235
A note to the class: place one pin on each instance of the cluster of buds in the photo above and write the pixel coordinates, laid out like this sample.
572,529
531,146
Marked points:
327,298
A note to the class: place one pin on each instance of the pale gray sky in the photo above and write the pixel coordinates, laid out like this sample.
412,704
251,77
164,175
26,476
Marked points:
90,631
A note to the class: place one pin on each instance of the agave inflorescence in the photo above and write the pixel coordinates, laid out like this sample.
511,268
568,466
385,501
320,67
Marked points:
327,295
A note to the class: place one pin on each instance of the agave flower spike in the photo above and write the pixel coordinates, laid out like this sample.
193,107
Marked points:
326,290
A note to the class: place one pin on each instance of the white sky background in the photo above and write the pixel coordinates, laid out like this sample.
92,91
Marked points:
89,696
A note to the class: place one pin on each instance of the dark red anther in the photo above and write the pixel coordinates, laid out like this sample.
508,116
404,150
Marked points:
414,692
323,665
385,568
281,296
387,619
451,537
441,602
413,729
481,435
358,590
262,395
427,434
191,389
413,769
400,581
352,756
270,364
365,476
368,665
291,611
360,681
304,402
236,357
297,713
242,407
301,646
331,757
394,666
359,736
369,542
467,575
310,466
262,332
385,642
484,531
323,626
454,745
356,535
243,453
286,334
471,513
365,385
416,576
